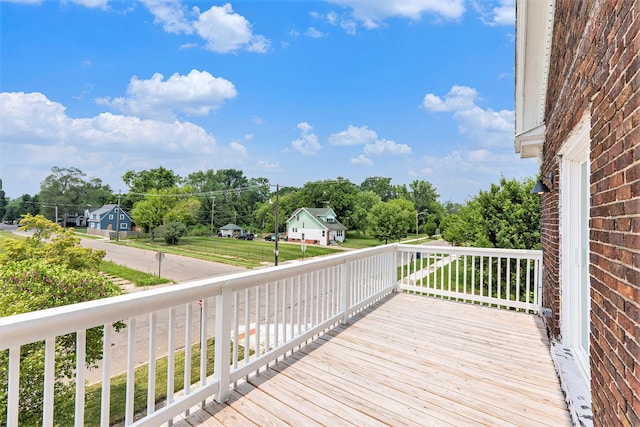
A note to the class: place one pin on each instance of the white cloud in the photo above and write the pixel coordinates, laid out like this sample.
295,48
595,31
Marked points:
373,12
307,144
171,14
226,31
196,93
385,146
353,135
487,126
503,14
257,120
37,133
248,136
314,33
92,4
32,118
238,149
263,164
484,126
361,160
458,98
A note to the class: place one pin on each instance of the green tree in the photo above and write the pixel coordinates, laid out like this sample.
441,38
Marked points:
364,202
67,190
425,200
339,194
163,206
380,186
3,202
142,182
23,205
390,221
48,269
505,216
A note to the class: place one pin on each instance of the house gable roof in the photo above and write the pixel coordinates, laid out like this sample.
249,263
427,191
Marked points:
104,210
231,227
319,215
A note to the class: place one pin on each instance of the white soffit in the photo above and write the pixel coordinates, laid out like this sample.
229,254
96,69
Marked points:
534,28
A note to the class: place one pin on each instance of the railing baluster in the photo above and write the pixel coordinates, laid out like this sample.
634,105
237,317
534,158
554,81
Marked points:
105,397
203,344
13,398
81,358
267,320
528,283
276,327
131,360
235,327
247,328
257,323
187,351
49,381
151,377
171,357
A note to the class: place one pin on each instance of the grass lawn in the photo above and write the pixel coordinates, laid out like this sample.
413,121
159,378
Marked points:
244,253
119,383
139,278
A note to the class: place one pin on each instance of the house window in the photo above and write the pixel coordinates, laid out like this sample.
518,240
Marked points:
123,226
110,216
121,216
323,233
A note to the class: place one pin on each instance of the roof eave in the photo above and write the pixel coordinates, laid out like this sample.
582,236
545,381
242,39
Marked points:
534,30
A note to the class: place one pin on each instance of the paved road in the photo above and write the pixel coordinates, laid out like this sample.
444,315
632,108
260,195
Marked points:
175,267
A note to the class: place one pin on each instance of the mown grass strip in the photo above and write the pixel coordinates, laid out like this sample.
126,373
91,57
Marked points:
139,278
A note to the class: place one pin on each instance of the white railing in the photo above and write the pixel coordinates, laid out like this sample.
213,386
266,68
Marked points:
254,318
504,278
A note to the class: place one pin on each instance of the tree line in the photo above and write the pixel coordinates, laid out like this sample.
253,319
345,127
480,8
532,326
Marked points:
163,203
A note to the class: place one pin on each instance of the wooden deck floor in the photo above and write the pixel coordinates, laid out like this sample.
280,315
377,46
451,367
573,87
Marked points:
407,361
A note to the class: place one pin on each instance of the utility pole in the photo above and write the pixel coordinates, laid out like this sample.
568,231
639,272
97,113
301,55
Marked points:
275,251
213,206
118,219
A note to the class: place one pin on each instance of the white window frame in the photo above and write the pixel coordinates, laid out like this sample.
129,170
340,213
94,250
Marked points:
574,217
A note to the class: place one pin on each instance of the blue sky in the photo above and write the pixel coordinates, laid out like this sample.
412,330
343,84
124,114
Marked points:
293,91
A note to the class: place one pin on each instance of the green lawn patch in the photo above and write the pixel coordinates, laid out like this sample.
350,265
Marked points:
243,253
119,386
139,278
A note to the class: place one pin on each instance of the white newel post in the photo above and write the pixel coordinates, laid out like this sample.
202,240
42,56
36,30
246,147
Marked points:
221,366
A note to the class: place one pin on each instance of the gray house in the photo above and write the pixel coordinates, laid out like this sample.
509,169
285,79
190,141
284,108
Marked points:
229,230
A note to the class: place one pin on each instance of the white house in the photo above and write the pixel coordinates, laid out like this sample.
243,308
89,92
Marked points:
315,225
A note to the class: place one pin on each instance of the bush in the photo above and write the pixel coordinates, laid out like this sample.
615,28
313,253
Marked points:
172,232
200,230
36,284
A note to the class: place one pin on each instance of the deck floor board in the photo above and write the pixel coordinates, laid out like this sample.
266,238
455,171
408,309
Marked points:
408,360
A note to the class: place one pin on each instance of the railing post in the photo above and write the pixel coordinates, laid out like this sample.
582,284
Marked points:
221,365
345,303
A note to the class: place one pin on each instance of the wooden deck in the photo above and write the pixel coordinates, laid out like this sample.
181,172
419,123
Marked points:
407,361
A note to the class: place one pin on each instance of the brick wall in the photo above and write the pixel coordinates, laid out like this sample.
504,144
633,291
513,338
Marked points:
595,65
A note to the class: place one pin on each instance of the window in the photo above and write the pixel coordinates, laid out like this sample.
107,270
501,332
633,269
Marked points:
123,226
121,217
110,216
323,233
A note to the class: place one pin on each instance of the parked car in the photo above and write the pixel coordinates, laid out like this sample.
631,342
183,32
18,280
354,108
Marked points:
270,238
245,236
